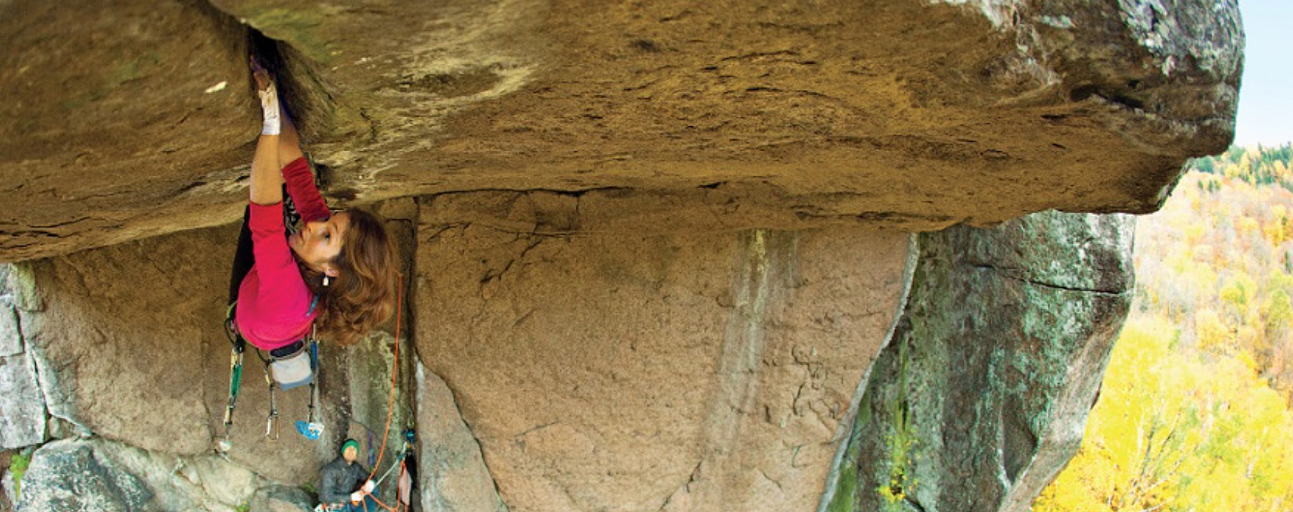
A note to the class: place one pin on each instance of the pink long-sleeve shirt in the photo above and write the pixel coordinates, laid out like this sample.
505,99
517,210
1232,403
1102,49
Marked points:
275,307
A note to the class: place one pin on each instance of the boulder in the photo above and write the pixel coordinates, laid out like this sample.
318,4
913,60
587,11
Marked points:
68,474
71,475
908,114
629,371
982,397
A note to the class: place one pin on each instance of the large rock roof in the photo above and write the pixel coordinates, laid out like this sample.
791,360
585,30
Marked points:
128,119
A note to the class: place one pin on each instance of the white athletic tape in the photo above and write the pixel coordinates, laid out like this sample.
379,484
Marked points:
269,107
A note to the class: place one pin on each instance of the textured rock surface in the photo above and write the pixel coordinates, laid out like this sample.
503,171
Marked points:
997,361
10,491
22,405
652,264
787,115
281,499
626,371
368,378
72,475
10,337
451,470
96,474
139,320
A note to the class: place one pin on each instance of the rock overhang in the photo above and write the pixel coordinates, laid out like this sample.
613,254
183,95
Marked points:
135,119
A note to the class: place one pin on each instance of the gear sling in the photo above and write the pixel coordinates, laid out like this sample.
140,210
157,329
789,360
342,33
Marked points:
288,367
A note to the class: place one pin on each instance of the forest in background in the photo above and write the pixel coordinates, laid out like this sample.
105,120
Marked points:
1194,411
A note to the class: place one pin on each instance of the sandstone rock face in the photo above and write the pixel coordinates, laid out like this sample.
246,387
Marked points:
623,371
658,245
982,397
783,115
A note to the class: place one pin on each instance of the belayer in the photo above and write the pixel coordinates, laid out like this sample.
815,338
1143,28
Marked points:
344,484
336,276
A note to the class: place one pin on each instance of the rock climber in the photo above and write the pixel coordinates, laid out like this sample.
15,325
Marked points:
340,487
337,273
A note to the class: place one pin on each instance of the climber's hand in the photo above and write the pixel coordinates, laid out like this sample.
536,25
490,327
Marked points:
369,486
356,497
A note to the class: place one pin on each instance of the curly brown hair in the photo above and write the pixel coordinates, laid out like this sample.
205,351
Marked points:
363,294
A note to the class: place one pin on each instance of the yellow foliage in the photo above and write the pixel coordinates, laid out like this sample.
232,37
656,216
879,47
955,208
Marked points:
1212,332
1179,431
1194,412
1247,224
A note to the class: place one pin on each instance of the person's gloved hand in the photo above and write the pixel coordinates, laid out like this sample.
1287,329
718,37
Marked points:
369,485
356,497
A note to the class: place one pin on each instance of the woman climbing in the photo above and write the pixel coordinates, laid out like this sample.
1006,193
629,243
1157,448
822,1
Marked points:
337,274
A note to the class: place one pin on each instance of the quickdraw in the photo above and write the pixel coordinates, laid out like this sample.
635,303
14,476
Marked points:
310,428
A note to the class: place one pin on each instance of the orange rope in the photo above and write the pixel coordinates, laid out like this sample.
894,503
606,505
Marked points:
390,405
395,508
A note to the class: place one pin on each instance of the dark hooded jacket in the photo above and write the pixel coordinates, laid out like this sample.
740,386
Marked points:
339,480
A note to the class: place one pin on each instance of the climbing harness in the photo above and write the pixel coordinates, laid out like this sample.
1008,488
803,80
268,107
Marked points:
309,428
289,367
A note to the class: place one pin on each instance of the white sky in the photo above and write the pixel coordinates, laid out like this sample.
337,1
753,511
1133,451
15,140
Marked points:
1266,92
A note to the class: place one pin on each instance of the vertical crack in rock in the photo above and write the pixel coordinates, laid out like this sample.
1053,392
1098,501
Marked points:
454,472
845,427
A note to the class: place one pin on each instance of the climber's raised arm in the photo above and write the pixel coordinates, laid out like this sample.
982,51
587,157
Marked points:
266,179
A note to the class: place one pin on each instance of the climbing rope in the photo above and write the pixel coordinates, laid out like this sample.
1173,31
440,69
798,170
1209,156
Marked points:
390,405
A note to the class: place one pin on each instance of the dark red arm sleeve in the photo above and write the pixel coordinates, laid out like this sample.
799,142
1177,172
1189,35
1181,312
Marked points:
300,185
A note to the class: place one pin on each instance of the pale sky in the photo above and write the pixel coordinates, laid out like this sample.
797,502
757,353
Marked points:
1266,92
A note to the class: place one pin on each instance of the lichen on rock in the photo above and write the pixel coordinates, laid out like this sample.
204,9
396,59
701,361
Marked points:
977,402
